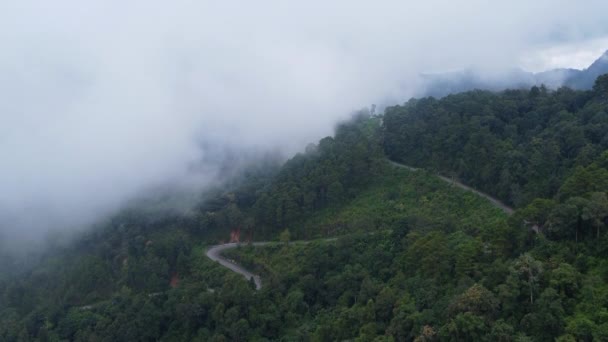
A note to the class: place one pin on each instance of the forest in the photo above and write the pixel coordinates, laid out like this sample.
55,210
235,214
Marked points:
413,259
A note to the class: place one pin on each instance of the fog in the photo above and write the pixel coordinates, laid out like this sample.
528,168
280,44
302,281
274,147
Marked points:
100,101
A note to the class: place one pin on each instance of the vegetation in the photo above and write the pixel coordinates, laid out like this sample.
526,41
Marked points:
414,258
518,145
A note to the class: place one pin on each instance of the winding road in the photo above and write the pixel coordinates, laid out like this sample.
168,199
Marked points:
215,252
496,202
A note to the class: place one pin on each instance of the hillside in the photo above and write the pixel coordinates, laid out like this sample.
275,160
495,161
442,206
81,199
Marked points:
517,145
413,256
136,294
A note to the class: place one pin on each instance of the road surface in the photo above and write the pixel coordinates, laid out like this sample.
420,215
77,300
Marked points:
493,200
215,253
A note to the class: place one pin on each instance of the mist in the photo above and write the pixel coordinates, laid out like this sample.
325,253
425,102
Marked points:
102,101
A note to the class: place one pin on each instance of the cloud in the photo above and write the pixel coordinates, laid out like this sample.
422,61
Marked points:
577,55
101,100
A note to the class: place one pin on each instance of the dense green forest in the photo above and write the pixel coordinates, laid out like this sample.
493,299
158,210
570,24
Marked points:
517,144
414,258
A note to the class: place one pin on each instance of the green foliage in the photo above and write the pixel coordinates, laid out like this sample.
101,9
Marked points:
517,145
324,177
285,236
412,257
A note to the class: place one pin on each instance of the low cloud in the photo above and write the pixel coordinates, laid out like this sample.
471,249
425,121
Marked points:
102,101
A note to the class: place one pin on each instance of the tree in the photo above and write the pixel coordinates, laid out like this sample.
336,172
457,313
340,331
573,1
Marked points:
285,237
502,331
565,279
537,212
600,88
596,211
547,319
528,269
583,181
239,330
581,327
465,327
477,300
580,204
563,220
403,323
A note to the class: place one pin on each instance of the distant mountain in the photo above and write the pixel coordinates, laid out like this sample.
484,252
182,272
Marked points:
585,79
443,84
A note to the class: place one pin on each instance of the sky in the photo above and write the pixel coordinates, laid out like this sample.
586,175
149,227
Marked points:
577,54
101,100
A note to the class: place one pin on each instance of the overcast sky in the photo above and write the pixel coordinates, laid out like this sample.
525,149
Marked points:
101,99
577,54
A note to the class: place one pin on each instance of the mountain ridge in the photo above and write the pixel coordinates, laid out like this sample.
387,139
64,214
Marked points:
443,84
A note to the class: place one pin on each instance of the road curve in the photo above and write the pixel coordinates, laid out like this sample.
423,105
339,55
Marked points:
496,202
215,253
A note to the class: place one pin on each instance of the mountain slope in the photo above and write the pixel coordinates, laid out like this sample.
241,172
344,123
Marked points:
413,258
586,78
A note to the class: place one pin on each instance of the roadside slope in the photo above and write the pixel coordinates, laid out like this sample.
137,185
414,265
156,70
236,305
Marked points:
496,202
215,253
458,207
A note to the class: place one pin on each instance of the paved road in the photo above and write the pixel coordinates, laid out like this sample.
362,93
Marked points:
215,253
496,202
